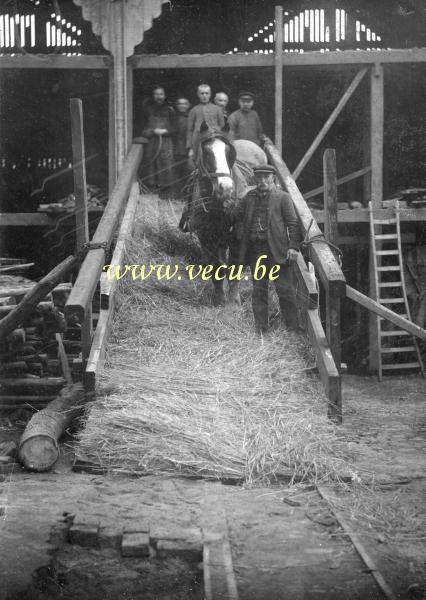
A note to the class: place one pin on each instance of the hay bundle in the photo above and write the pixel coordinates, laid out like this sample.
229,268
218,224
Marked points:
198,393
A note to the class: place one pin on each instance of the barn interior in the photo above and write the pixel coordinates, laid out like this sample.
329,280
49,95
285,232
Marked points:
216,456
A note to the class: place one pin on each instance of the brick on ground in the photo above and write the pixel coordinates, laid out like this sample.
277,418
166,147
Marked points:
190,551
84,534
110,537
135,545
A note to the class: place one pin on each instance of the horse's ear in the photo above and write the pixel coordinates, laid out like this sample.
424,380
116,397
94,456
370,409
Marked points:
226,127
204,127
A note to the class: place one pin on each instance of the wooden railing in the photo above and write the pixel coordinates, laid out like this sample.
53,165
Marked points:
121,203
327,348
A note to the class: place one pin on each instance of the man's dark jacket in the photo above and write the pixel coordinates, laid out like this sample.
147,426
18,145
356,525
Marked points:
283,226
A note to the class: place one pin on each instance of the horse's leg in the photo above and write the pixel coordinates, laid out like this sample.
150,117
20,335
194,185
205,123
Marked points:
234,285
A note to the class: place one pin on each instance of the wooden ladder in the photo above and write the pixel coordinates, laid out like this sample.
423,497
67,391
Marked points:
397,348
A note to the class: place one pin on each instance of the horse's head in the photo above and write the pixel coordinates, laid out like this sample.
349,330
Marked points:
217,157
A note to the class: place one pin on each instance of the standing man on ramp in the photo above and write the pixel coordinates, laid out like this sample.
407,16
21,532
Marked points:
204,111
269,238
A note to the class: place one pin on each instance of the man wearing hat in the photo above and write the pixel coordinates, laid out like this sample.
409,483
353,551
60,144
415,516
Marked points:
245,123
269,237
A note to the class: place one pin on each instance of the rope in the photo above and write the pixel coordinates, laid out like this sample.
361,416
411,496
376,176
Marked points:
321,239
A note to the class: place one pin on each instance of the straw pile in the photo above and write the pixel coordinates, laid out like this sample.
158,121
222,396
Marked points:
197,392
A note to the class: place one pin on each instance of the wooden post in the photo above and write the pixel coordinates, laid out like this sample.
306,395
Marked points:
129,105
117,14
279,77
79,172
376,154
331,235
112,171
81,215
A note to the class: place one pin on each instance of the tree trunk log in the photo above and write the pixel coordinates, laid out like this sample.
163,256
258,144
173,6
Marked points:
38,447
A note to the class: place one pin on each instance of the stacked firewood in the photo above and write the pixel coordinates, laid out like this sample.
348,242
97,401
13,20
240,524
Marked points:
36,356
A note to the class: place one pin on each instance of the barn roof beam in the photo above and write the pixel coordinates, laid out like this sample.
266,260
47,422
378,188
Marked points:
295,59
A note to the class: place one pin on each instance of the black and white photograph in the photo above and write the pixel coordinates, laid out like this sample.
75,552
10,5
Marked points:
212,299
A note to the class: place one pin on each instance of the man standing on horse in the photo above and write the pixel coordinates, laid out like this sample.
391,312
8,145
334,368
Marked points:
268,234
205,111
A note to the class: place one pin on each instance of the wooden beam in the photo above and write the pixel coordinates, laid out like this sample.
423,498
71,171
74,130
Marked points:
38,219
307,287
331,235
326,366
340,181
385,313
118,18
360,215
129,105
79,172
376,134
293,59
321,256
331,119
109,284
96,358
54,61
279,34
91,269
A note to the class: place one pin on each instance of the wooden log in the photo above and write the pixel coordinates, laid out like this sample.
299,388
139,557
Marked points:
326,366
82,293
7,301
16,339
331,119
14,367
29,385
63,358
331,234
37,293
320,254
16,269
278,77
384,312
38,446
18,400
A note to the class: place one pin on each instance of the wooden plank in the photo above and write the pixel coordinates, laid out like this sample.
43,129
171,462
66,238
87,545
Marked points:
306,283
326,366
340,181
129,105
321,256
117,23
385,313
331,119
54,61
279,77
109,284
293,59
25,220
81,214
331,234
96,359
358,544
91,269
360,215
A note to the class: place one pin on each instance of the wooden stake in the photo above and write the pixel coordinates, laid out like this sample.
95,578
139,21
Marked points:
331,235
278,77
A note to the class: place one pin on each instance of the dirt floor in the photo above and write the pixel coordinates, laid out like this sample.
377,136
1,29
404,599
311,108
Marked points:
286,542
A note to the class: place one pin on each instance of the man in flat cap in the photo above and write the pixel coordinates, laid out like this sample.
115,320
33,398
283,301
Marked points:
244,123
269,238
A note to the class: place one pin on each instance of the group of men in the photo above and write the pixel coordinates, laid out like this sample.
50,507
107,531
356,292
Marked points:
265,220
173,133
